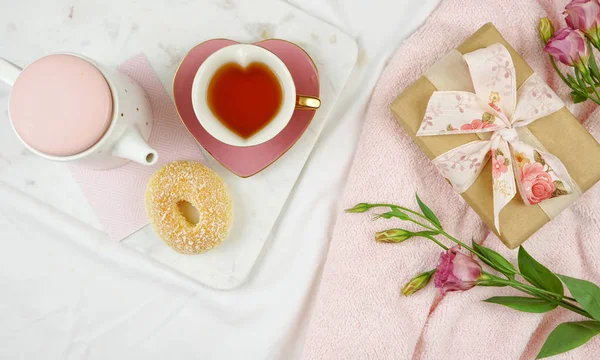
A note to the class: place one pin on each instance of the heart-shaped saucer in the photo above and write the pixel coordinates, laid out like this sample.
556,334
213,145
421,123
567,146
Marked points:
247,161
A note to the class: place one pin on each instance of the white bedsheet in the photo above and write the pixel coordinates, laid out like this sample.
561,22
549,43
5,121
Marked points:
68,292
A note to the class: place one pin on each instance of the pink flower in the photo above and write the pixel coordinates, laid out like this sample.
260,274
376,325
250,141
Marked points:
498,166
476,124
568,46
495,107
456,271
536,183
582,15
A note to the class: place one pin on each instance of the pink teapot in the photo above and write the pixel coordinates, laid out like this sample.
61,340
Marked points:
65,107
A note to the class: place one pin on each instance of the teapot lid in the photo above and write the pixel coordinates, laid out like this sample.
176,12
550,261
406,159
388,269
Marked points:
61,105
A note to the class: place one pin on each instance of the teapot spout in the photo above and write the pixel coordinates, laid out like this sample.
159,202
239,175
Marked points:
9,72
131,145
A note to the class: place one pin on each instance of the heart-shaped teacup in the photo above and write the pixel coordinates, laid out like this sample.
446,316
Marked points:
243,100
247,161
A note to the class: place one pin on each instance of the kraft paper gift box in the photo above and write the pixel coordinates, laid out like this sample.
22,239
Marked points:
560,133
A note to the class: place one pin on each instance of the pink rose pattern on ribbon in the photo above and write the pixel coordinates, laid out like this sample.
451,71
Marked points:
499,164
537,181
499,107
487,121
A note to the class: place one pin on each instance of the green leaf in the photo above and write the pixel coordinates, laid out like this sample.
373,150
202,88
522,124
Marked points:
495,260
586,293
567,336
578,97
525,304
399,214
572,82
488,117
580,82
538,157
386,215
559,189
428,213
359,208
537,274
395,212
593,66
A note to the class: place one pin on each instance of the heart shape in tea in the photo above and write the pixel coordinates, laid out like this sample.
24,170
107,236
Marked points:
246,99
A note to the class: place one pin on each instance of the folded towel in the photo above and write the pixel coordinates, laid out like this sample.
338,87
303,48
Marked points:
359,312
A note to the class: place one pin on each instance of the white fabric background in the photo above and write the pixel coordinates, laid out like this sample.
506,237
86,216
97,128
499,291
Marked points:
67,292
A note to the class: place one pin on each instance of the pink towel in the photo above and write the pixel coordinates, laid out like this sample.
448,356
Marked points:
359,312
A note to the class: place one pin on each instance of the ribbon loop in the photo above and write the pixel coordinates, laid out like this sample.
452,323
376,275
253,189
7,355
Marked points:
497,106
493,75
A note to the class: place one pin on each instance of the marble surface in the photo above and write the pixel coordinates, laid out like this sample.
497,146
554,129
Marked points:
70,293
121,34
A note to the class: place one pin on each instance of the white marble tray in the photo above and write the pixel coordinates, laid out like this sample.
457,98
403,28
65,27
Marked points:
113,31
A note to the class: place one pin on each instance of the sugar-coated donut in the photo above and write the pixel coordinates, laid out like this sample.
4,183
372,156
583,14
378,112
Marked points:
193,182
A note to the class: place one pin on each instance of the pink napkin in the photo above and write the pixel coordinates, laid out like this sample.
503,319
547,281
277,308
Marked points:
117,195
359,312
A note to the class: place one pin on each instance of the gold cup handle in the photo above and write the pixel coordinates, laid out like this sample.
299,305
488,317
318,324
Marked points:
307,102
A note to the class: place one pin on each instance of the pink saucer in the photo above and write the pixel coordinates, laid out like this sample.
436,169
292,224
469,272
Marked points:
247,161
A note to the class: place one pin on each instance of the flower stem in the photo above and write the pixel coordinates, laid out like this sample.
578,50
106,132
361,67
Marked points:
575,87
415,221
542,290
561,303
401,208
593,99
423,225
539,290
455,240
543,294
588,78
532,288
564,304
583,88
442,232
560,74
592,64
452,238
550,296
436,241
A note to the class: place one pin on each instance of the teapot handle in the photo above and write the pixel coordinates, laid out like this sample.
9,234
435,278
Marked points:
8,72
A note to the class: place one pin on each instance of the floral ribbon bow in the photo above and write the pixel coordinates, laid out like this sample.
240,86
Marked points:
497,107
